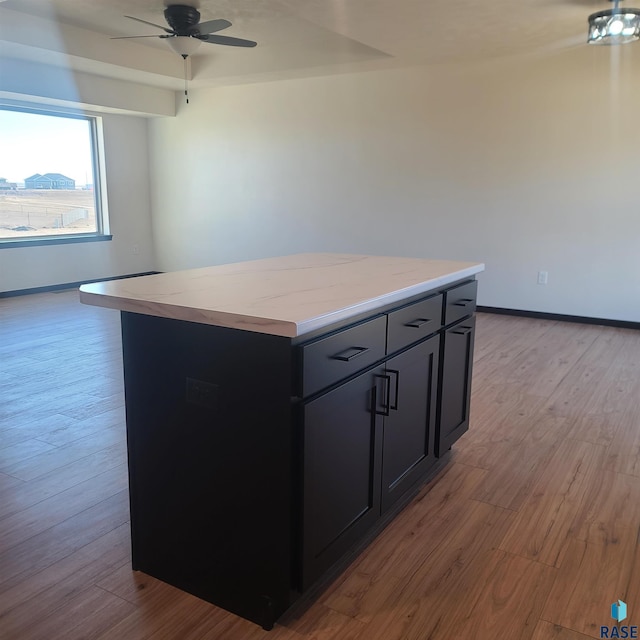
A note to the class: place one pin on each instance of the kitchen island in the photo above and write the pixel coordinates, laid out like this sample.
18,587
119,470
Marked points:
277,409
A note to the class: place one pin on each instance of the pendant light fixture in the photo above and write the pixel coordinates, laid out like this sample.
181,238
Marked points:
614,26
184,45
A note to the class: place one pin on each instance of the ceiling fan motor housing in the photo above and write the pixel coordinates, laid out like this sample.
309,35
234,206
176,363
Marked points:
182,19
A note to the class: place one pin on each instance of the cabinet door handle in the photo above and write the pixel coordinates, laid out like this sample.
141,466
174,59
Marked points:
462,331
418,322
463,302
394,405
349,354
387,393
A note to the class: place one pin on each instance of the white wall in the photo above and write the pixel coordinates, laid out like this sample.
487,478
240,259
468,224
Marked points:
127,171
526,166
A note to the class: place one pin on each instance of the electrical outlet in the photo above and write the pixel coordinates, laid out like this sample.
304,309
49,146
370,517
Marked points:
543,277
202,393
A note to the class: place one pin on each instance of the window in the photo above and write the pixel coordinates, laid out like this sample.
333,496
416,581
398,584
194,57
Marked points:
49,178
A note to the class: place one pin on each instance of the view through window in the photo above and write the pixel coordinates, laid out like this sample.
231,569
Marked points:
48,176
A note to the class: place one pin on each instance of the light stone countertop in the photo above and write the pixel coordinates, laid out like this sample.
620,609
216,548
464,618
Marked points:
287,296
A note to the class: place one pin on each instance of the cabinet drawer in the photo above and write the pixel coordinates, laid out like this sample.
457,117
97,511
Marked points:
342,354
413,322
460,302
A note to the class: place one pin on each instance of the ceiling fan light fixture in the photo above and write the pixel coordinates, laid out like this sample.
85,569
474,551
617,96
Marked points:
184,45
614,26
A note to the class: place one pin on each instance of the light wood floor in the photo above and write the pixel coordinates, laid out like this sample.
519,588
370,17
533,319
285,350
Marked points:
531,531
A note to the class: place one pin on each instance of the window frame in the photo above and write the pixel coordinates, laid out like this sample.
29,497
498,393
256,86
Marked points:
102,232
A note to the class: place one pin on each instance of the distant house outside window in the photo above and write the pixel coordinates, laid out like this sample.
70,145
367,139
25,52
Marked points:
50,178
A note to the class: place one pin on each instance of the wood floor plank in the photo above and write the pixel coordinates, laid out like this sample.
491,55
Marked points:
496,333
52,457
216,624
71,429
508,604
611,509
26,494
149,594
447,568
499,401
498,422
548,631
498,363
587,387
17,453
592,576
19,430
13,366
623,454
543,523
82,617
48,591
517,467
9,484
23,524
631,590
93,406
322,623
440,608
168,610
595,428
40,551
37,405
546,364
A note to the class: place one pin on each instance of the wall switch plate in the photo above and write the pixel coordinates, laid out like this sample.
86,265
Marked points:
543,277
204,394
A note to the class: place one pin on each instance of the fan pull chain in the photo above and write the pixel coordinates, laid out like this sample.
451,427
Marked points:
186,86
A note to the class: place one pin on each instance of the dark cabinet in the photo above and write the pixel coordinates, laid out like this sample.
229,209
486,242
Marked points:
256,461
342,454
366,443
409,429
456,363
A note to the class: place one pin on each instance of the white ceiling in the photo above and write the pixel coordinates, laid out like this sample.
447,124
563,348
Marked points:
295,37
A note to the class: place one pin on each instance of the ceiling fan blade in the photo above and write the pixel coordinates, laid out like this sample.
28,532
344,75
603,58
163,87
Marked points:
211,26
128,37
158,26
232,42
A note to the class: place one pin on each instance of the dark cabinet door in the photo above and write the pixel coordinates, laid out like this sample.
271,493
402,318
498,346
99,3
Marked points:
342,433
455,383
409,429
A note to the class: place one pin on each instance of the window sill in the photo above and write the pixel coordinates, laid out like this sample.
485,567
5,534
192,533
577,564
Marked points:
41,242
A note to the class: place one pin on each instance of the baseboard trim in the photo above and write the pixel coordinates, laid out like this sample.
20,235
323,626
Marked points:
52,288
623,324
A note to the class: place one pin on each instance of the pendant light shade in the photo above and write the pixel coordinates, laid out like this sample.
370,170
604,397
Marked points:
614,26
184,45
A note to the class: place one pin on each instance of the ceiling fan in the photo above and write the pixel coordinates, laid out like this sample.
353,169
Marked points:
186,32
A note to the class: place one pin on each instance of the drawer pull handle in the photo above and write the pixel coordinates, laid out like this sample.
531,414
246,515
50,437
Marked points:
349,354
418,322
394,405
462,331
463,302
385,396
